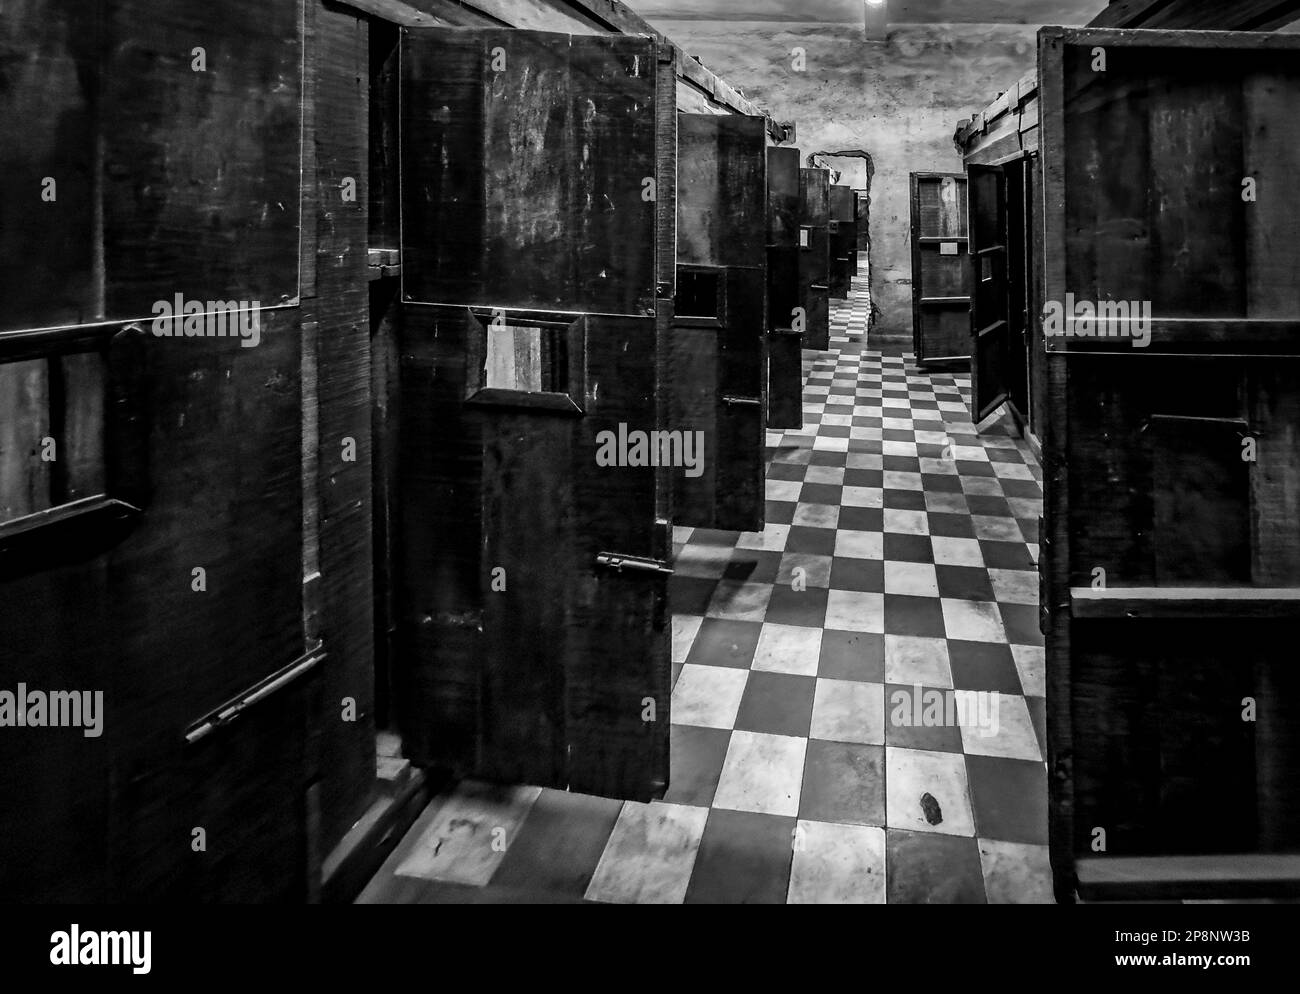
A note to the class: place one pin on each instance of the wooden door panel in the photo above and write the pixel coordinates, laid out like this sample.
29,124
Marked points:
991,322
941,283
489,214
814,256
534,193
844,240
784,344
720,334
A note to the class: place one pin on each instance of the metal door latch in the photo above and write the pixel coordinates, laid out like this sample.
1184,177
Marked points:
742,401
641,564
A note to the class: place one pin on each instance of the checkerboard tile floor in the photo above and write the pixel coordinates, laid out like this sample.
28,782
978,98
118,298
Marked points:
858,710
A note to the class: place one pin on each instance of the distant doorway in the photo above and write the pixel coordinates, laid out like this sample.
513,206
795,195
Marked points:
854,168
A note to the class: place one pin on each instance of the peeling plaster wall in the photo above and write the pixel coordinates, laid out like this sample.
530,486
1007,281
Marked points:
900,101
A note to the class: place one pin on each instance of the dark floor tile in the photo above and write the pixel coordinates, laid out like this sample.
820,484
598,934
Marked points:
789,471
908,548
744,858
691,595
864,478
941,483
951,525
921,616
797,607
904,500
966,583
1029,489
777,704
852,656
898,435
814,541
969,467
821,493
862,519
1009,797
779,512
558,845
843,783
902,464
756,567
1022,623
1029,528
677,671
1038,715
824,457
1006,555
695,757
725,643
710,536
864,575
996,507
983,666
907,729
927,868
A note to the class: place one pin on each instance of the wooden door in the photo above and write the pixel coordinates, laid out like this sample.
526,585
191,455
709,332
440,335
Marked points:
991,321
814,257
941,295
538,264
784,341
1171,552
843,241
719,332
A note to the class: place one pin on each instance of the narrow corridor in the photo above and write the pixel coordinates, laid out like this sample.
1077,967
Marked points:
857,710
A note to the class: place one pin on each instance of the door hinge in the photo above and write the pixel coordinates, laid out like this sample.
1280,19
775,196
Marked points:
641,564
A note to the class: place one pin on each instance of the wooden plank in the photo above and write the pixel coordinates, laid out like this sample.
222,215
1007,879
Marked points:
396,12
1196,210
1184,602
814,258
48,247
344,484
197,227
1274,414
1272,159
1202,15
1172,878
24,424
784,345
1054,549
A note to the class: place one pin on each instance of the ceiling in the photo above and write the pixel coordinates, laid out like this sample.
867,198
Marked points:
850,11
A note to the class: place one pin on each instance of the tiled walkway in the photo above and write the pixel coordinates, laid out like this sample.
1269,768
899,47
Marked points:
858,690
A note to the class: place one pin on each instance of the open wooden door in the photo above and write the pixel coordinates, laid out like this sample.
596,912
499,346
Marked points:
814,257
990,317
784,341
843,241
538,257
941,295
719,332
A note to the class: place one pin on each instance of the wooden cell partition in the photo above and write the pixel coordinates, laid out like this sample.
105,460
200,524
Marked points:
532,615
717,385
843,240
1171,548
814,257
941,293
784,342
1000,148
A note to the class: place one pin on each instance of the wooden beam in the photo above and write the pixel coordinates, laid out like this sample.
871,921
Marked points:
1201,15
1188,877
570,17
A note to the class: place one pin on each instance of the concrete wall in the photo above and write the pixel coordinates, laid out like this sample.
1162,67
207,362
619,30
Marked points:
899,100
